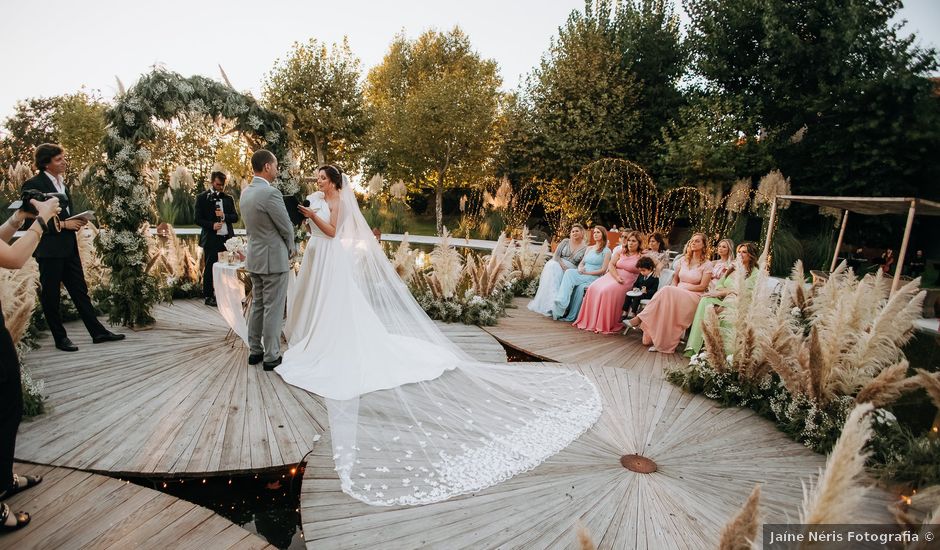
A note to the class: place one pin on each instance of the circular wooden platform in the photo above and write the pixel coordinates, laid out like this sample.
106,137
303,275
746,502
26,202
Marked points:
551,340
708,460
177,399
73,509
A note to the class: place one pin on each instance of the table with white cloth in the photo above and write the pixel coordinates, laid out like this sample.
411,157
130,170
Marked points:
233,303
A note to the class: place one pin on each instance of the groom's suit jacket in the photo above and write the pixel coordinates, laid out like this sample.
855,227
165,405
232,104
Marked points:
269,229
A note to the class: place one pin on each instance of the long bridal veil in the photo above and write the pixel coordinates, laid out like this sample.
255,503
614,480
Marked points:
473,426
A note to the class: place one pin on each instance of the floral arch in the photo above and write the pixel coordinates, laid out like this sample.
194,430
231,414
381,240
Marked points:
125,203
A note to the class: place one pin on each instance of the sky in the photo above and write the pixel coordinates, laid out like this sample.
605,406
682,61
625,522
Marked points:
90,43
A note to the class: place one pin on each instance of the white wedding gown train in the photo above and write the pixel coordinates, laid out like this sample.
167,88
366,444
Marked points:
413,418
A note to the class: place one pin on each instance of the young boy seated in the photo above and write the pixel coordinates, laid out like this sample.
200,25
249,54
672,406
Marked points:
646,283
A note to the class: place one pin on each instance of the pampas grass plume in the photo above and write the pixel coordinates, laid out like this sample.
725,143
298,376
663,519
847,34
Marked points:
740,532
584,538
884,388
840,489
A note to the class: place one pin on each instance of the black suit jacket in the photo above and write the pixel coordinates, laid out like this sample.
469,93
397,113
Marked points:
651,283
54,244
205,218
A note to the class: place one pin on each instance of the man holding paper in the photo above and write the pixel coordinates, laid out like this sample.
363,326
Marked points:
57,255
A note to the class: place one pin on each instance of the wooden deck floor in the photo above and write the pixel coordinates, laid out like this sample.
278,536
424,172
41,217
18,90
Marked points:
551,340
177,399
709,460
72,509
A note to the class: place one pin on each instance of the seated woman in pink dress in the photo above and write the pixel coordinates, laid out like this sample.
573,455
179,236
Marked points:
672,308
603,302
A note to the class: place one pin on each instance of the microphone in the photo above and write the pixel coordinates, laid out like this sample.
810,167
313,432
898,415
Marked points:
306,203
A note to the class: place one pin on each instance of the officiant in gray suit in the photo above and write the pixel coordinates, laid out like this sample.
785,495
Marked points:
270,247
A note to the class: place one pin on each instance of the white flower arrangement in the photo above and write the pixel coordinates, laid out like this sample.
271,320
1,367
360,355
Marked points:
237,246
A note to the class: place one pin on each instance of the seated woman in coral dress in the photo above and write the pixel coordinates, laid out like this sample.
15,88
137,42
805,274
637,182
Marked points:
672,309
575,282
603,301
747,260
568,255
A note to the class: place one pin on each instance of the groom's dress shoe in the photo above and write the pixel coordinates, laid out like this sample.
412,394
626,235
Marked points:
107,337
66,345
255,358
270,365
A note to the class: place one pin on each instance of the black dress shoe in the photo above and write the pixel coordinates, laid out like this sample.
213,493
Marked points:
66,345
211,302
107,337
254,359
270,365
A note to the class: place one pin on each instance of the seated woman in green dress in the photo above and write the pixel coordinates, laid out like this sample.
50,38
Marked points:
747,256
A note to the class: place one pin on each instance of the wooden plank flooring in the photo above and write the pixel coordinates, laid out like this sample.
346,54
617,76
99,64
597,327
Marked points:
177,399
709,460
71,509
551,340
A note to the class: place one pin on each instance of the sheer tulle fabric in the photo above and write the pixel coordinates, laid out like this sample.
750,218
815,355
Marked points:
413,419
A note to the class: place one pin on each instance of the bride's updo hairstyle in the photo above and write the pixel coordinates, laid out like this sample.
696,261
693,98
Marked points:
334,173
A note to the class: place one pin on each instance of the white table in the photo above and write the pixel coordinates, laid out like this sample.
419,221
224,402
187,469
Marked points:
230,295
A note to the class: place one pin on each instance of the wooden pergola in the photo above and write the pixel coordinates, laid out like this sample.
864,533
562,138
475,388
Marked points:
869,206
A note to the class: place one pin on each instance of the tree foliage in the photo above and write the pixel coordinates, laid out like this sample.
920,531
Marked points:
606,88
318,90
75,121
434,104
841,96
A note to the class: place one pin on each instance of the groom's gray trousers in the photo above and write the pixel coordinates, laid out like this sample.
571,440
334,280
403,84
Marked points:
269,297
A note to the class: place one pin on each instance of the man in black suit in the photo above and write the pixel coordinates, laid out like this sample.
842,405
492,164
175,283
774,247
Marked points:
57,255
215,214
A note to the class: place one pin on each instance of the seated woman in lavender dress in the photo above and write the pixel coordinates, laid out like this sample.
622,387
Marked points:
568,255
603,301
672,309
575,282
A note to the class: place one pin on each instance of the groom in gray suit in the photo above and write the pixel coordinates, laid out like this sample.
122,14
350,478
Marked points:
270,247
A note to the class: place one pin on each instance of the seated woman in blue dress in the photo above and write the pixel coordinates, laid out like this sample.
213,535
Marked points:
575,281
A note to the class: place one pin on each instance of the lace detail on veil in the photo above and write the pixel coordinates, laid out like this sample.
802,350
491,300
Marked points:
466,429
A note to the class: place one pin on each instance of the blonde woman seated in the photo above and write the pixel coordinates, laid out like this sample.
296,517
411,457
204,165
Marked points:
603,301
575,282
568,255
672,308
747,260
725,262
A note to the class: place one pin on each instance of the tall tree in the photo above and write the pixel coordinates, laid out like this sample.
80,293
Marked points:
75,121
318,90
583,97
80,122
711,144
434,102
647,33
843,98
32,123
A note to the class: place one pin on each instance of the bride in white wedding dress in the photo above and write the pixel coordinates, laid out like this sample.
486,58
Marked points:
413,419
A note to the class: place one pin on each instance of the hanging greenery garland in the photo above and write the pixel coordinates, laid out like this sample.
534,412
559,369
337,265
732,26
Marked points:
126,201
